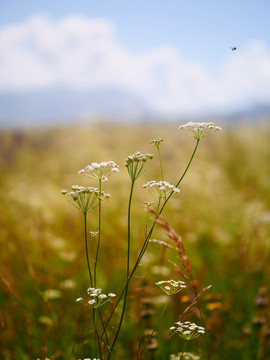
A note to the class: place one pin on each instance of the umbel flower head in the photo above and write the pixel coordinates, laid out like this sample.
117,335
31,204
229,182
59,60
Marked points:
160,188
184,356
136,164
156,142
84,198
187,330
100,171
171,287
200,130
97,299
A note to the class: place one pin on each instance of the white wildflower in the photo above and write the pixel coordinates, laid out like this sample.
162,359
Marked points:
84,198
102,296
98,298
100,171
67,284
171,287
52,294
184,356
200,130
136,164
160,188
111,295
187,330
156,142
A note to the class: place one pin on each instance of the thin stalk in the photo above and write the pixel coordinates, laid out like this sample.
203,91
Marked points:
158,205
99,230
145,244
160,162
201,315
129,210
160,316
86,248
104,329
96,335
185,344
144,247
121,319
128,259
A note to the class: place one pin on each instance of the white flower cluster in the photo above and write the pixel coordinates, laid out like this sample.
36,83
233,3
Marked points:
100,171
156,142
184,356
160,188
97,298
187,330
200,130
137,157
89,359
171,287
83,198
136,164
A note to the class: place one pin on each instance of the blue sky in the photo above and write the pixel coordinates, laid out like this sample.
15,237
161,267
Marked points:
201,30
157,43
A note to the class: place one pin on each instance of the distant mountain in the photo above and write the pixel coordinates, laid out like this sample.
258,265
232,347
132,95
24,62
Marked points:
253,113
45,108
48,107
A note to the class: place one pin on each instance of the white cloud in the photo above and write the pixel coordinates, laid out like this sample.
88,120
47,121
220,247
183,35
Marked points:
80,53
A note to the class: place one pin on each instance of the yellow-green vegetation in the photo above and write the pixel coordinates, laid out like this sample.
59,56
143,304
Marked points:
222,215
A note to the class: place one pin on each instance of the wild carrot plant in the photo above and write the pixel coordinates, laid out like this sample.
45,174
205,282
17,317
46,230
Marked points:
85,199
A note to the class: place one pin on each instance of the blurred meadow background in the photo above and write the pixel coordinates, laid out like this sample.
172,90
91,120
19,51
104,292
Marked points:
85,82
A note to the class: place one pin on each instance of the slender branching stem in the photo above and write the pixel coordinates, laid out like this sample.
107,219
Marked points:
160,316
97,339
201,315
104,329
86,248
160,162
145,244
143,249
184,347
158,205
99,234
128,235
128,260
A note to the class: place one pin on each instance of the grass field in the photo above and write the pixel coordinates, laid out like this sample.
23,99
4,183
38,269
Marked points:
222,215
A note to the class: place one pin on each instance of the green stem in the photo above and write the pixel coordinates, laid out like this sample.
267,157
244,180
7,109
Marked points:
185,344
99,229
128,259
129,210
144,247
160,162
201,316
96,335
104,329
160,316
86,248
145,244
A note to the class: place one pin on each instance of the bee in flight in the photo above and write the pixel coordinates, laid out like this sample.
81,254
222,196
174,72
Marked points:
233,48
